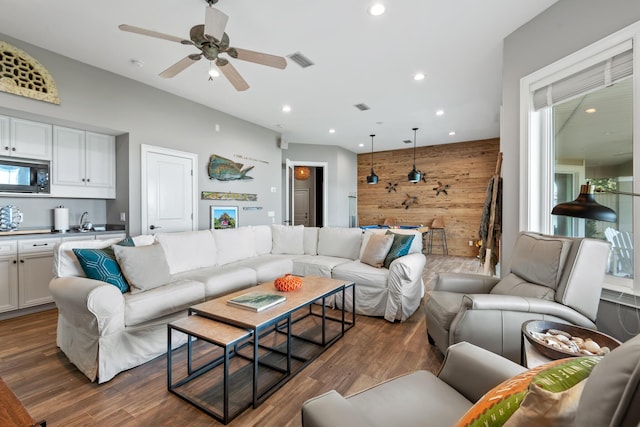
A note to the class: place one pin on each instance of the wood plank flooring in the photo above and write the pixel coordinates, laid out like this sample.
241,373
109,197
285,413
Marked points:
53,389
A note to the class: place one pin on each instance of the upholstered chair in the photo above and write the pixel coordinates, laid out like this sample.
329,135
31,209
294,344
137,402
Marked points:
548,277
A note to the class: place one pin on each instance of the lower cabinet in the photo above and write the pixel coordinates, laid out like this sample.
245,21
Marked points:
8,275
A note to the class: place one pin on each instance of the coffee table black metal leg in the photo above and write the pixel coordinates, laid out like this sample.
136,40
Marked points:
255,367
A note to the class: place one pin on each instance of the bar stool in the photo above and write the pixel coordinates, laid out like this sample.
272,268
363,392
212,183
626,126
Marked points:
437,226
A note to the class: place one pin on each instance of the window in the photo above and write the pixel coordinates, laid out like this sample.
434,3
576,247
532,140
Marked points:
577,125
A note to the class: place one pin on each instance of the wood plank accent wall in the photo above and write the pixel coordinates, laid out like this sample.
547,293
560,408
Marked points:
466,166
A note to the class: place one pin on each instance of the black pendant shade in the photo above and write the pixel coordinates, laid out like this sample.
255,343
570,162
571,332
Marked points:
585,206
373,178
414,176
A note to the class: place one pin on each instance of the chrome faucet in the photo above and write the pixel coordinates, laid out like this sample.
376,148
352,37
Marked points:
85,225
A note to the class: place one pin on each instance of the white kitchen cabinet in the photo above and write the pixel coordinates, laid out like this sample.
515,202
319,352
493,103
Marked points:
35,271
8,275
27,139
5,128
83,164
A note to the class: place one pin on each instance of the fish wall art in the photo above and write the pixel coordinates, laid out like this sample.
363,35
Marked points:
223,169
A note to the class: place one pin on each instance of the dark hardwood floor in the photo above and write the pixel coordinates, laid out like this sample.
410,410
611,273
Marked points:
53,389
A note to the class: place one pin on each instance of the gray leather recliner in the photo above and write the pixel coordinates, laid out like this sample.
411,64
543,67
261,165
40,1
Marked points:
548,277
611,396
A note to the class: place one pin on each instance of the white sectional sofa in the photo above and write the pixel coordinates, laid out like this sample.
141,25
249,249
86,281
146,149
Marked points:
104,331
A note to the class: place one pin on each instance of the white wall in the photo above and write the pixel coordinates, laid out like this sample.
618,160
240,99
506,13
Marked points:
97,100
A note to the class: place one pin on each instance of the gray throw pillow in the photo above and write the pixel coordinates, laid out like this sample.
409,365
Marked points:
377,249
145,267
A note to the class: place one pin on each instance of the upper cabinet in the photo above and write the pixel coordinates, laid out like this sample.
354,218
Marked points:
24,138
83,164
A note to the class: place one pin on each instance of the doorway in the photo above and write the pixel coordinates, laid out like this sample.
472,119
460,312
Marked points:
306,193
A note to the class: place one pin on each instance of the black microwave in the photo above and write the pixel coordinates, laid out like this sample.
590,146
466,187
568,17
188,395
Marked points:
18,176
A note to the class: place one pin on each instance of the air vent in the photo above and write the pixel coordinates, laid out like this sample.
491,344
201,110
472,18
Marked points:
362,107
407,141
301,60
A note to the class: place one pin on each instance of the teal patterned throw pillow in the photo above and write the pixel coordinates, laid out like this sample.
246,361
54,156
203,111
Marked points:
400,247
101,264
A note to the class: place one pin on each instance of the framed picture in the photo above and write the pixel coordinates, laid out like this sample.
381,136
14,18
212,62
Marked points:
224,217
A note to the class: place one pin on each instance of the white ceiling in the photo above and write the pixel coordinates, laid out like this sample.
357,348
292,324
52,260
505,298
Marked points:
358,58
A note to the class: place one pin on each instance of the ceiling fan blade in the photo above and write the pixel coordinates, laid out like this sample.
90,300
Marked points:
179,66
233,76
150,33
262,58
214,23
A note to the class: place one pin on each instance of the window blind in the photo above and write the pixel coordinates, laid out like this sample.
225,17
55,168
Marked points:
600,75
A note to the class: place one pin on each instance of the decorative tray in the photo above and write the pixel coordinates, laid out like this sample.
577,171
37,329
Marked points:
549,347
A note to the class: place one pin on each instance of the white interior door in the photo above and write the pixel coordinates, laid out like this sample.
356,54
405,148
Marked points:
301,204
169,190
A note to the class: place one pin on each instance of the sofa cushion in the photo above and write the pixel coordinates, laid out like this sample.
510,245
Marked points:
319,265
65,262
101,264
161,301
268,267
500,403
221,280
539,259
287,239
234,244
311,240
188,250
145,267
376,250
263,239
399,248
514,285
340,242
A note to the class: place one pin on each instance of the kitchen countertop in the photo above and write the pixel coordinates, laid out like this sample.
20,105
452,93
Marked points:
49,232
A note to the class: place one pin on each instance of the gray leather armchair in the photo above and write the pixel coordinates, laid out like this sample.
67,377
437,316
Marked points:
548,277
611,395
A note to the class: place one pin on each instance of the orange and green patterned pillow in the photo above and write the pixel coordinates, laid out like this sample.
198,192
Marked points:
500,403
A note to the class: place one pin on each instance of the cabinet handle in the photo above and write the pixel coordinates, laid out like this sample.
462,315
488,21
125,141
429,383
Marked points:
21,261
88,179
15,262
40,244
13,149
83,180
6,148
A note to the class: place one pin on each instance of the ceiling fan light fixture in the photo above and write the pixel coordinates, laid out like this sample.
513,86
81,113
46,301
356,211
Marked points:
213,72
373,178
414,176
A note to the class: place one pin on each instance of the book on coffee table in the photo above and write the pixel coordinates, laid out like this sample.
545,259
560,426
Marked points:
257,300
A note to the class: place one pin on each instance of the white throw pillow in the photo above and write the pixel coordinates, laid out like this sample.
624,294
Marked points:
287,239
377,249
65,262
311,240
188,250
262,237
234,244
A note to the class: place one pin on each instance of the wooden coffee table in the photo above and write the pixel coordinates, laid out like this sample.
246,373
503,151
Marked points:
277,342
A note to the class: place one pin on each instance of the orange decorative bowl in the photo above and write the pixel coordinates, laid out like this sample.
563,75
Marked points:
288,283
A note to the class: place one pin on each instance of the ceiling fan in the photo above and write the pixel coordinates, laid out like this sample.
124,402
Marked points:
212,41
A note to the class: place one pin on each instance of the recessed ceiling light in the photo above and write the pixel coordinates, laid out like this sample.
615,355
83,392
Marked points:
138,63
590,110
332,131
286,108
361,145
452,133
377,9
440,113
418,76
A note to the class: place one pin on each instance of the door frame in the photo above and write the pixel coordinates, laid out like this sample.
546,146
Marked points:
288,200
146,149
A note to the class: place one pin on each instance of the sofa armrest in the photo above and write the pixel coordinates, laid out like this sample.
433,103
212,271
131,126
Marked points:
525,305
464,283
330,410
473,371
404,285
88,304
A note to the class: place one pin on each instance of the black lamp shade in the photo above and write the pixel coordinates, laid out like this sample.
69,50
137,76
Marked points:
414,176
373,178
585,206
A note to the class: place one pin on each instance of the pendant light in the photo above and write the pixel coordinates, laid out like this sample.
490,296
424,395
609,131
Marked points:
585,206
414,176
373,178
